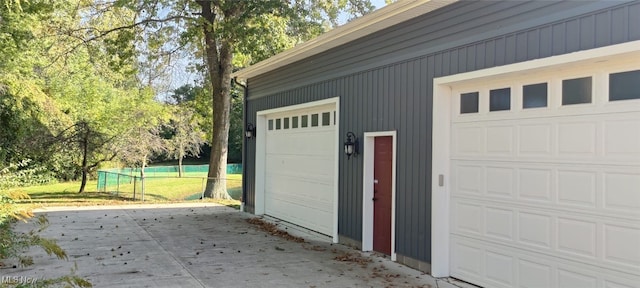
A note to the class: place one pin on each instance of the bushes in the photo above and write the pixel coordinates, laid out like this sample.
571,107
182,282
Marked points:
21,175
14,244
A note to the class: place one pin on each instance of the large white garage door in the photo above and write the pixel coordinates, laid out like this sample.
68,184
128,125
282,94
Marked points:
545,178
300,167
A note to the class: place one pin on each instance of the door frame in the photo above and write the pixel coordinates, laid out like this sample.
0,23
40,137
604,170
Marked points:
442,94
367,193
261,159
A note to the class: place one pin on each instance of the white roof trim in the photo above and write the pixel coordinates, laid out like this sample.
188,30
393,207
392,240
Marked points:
385,17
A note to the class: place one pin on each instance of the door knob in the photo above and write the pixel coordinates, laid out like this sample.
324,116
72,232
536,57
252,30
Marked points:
374,199
375,181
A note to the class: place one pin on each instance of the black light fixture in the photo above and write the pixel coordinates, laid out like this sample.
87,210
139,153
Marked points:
351,145
251,131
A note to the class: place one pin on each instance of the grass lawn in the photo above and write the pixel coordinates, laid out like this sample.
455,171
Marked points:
157,190
161,188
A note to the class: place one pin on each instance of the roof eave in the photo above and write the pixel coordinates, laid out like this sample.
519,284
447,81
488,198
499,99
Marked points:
388,16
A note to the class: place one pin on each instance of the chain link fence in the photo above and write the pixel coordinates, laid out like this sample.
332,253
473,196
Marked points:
163,183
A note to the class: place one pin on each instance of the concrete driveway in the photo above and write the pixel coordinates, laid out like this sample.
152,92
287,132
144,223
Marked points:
200,245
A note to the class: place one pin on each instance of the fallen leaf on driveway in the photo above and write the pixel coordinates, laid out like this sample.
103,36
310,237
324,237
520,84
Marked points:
273,230
353,257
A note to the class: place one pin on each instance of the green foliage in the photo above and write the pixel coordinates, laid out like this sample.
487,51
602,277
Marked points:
104,62
21,175
70,280
236,128
13,245
186,136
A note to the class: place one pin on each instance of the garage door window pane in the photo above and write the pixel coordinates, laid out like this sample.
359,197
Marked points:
294,122
500,99
305,121
278,124
576,91
469,102
534,96
326,118
314,120
286,123
270,124
624,86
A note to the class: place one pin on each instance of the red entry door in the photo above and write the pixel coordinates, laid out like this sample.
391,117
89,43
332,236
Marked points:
382,170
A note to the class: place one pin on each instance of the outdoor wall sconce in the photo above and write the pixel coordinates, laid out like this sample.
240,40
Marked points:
351,145
251,131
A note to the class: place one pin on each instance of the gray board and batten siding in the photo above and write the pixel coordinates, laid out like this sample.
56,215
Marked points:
385,82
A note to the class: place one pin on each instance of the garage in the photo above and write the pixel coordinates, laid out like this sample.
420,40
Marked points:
300,159
544,173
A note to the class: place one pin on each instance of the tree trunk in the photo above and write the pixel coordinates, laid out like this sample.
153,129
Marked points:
83,184
144,164
85,154
219,53
180,167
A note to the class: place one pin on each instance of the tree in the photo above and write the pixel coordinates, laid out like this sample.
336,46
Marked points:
61,106
118,33
187,138
227,24
141,143
93,146
142,139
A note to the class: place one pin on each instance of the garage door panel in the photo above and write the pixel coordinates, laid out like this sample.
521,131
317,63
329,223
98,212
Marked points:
577,140
500,265
301,215
500,181
300,188
622,139
310,190
534,274
603,189
294,182
468,179
316,142
472,255
467,218
576,236
622,245
558,234
468,140
577,188
321,205
535,140
300,168
500,141
597,138
500,223
568,278
316,166
534,184
534,229
621,191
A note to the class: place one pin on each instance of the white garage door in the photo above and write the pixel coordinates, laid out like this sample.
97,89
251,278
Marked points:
300,167
545,178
